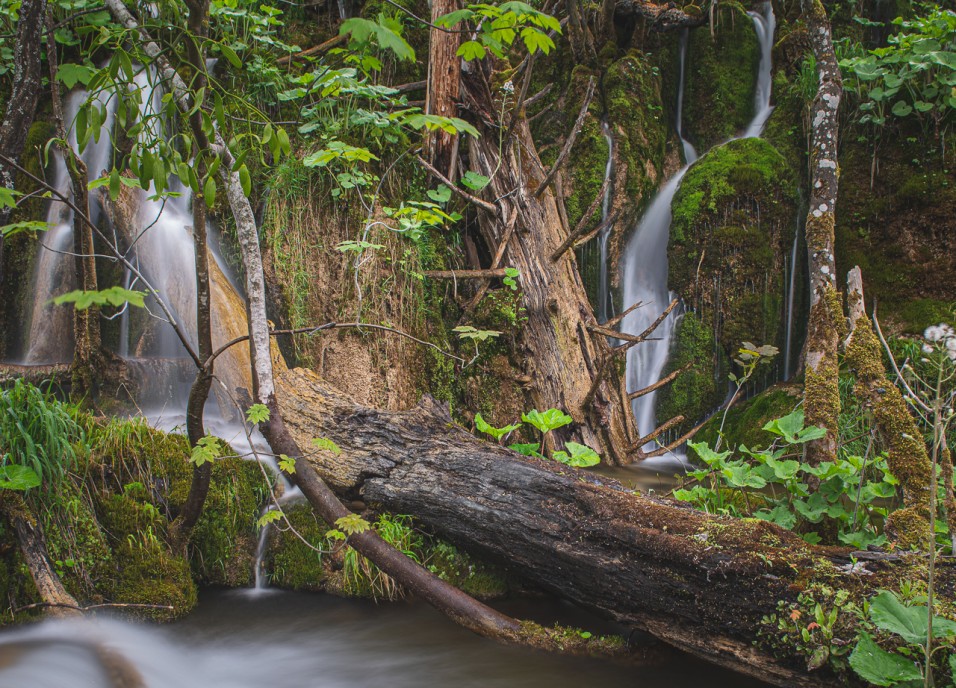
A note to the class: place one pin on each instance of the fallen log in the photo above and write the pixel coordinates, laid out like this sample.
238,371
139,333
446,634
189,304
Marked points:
698,582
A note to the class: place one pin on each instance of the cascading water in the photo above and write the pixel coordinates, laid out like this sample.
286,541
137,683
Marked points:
645,258
50,332
791,292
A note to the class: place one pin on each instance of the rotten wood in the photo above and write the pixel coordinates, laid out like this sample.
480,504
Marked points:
444,87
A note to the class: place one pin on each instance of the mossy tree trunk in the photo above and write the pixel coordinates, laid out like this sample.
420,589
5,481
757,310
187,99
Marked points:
907,457
573,370
25,90
826,323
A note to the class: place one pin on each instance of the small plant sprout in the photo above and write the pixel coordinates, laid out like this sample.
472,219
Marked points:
325,444
205,451
475,335
498,433
577,455
257,413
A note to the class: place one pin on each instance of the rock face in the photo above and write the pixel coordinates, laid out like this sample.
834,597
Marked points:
734,219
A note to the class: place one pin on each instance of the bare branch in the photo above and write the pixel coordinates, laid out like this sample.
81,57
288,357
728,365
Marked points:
569,143
451,185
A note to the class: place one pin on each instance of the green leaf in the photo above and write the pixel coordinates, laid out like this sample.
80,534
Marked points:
908,622
708,455
548,420
440,195
268,517
471,50
325,444
114,296
787,426
740,474
901,109
352,524
526,449
357,246
209,191
205,450
780,515
474,181
879,667
469,332
244,180
230,55
16,477
26,226
257,413
578,455
286,464
71,74
497,433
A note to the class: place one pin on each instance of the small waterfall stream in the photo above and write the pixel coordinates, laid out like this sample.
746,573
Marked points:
645,268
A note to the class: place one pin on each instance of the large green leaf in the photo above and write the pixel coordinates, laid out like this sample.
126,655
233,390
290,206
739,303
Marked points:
114,296
546,420
488,429
577,455
879,667
16,477
889,614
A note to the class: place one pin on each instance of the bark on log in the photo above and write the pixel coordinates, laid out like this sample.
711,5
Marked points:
563,358
698,582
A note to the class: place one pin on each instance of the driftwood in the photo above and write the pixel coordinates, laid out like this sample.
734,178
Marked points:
698,582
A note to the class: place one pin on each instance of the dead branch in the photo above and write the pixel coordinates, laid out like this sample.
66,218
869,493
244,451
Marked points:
660,383
582,223
315,50
616,320
465,274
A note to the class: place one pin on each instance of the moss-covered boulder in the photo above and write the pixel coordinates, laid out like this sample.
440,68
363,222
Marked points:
719,82
291,563
734,219
745,421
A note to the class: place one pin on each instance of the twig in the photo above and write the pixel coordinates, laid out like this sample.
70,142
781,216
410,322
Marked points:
582,223
660,383
320,48
616,320
121,605
465,274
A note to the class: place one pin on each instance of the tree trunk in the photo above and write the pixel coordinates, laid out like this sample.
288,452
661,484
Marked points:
199,392
563,357
22,105
86,322
33,546
444,87
698,582
826,324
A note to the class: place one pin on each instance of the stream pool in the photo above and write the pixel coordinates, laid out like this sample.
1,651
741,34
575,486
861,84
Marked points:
292,640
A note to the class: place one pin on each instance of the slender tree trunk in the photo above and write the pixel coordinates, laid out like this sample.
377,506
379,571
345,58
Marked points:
826,322
86,322
444,86
21,107
199,392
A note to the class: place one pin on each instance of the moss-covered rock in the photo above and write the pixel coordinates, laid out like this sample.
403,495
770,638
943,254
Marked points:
719,82
745,421
293,565
734,218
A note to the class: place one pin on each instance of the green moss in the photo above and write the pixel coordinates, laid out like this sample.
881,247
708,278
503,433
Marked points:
731,238
719,78
224,540
146,572
745,421
476,578
290,563
696,391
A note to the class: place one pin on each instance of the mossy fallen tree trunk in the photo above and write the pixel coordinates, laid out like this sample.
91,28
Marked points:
698,582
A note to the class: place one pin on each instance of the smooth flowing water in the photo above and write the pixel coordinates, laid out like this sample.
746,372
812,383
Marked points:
604,292
289,640
645,269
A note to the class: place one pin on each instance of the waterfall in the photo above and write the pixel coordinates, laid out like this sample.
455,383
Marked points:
50,330
604,301
645,259
791,290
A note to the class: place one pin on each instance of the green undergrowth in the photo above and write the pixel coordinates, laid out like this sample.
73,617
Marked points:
323,563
